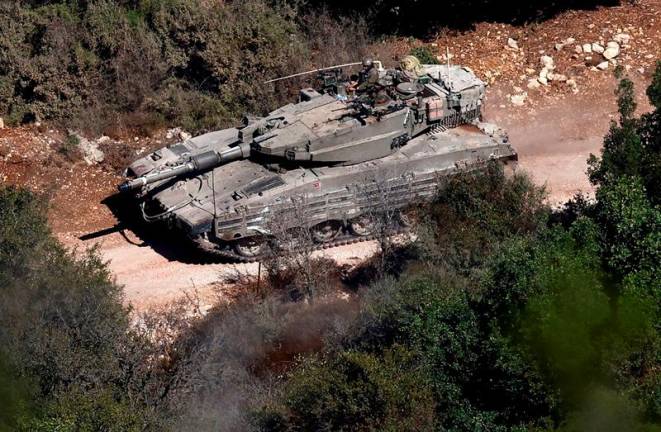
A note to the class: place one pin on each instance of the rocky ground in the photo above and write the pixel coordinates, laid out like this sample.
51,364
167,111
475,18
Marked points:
550,85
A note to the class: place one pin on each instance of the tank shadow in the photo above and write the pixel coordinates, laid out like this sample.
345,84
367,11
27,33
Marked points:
163,240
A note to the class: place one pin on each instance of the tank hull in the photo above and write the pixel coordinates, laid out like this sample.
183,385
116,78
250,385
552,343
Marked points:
242,200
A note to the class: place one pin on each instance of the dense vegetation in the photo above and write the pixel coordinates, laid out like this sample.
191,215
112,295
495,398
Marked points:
104,64
117,65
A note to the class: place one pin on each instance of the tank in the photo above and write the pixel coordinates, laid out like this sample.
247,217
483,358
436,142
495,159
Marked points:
337,159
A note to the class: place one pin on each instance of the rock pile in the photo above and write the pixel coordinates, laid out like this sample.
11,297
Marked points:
177,133
601,55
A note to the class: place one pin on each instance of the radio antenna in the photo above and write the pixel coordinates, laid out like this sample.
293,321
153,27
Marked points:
447,55
312,71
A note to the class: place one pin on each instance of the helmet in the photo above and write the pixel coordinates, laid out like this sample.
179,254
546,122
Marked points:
368,62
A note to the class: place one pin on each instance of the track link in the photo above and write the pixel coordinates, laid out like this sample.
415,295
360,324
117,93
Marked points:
228,253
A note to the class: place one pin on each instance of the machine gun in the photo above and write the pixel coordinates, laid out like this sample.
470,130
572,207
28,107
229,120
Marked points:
196,163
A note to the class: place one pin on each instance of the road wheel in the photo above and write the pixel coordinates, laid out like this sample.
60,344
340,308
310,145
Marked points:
326,231
362,226
292,240
404,219
250,247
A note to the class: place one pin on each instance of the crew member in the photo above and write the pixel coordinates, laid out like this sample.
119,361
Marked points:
368,80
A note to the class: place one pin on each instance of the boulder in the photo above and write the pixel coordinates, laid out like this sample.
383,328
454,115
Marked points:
603,65
533,83
2,123
612,50
519,99
622,38
171,133
512,43
598,48
578,49
572,84
547,62
587,48
90,150
556,77
185,135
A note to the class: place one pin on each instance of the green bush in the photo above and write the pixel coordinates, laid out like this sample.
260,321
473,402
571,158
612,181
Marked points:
199,64
424,54
355,392
63,327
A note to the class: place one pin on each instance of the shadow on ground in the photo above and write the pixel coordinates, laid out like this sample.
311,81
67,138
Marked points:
165,241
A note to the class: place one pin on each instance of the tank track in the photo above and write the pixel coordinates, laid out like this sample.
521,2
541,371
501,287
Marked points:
227,253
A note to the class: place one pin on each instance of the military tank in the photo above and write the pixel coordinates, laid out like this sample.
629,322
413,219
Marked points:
338,158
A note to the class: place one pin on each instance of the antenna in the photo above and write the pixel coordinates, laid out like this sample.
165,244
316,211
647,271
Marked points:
312,71
447,55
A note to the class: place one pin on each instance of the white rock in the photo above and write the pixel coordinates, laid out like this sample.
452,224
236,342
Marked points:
587,48
519,99
530,71
512,43
517,89
543,80
649,56
603,65
612,50
622,38
171,133
2,123
556,77
90,150
547,62
569,41
641,70
185,135
578,49
533,83
572,83
103,139
559,46
597,48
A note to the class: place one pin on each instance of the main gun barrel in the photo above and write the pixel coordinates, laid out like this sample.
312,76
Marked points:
196,163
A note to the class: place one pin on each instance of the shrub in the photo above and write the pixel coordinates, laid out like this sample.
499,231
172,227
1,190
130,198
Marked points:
62,323
424,54
485,208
